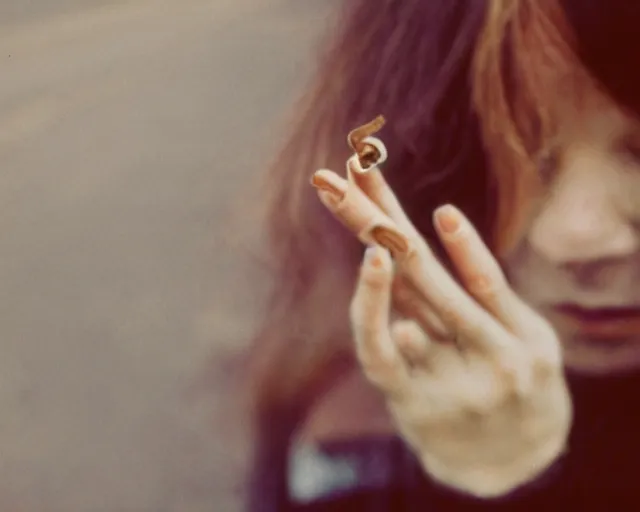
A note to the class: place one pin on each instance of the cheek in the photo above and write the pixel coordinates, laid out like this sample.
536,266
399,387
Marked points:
629,192
622,179
520,270
533,279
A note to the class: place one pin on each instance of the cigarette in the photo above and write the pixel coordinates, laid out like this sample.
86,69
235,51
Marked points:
370,152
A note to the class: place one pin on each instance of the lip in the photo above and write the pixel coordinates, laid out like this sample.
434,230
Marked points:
602,323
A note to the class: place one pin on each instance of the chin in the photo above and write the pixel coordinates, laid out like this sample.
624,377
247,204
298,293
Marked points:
610,357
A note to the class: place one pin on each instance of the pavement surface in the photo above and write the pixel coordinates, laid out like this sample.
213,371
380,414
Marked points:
129,131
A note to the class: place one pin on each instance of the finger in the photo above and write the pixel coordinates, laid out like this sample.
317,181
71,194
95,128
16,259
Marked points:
422,353
350,205
411,340
433,283
472,326
370,155
410,304
375,187
479,271
370,314
373,184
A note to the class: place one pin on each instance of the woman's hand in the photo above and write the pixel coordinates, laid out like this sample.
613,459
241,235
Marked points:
473,377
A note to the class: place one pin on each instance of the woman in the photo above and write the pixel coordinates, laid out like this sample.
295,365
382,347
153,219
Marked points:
506,375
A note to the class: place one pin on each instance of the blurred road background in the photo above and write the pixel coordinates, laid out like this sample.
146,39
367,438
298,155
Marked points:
128,129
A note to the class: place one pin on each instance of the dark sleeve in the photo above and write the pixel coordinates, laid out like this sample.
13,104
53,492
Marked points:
434,499
543,491
267,489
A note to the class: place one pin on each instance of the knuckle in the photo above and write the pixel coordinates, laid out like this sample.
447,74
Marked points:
405,344
373,357
365,334
414,257
412,350
476,409
481,402
508,383
365,331
450,314
469,329
485,285
403,330
514,380
364,310
547,361
370,365
380,372
481,284
375,280
545,350
377,378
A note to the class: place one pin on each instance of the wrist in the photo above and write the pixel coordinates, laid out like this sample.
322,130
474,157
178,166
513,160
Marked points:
492,481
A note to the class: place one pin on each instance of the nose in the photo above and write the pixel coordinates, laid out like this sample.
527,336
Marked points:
581,223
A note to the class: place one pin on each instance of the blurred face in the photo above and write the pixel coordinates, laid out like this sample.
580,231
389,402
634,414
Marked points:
579,260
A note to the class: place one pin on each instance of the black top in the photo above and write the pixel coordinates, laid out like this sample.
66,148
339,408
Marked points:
601,470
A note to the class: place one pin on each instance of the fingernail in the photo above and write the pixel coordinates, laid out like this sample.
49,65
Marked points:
330,188
389,239
448,219
372,256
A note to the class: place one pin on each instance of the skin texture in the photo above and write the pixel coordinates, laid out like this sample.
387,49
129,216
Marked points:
472,374
475,385
583,244
468,90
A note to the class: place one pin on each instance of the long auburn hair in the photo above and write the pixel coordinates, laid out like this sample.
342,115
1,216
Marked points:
467,87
